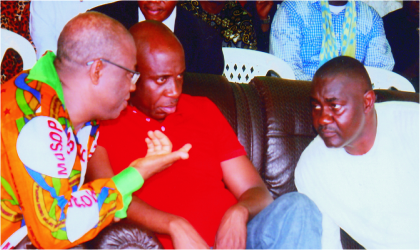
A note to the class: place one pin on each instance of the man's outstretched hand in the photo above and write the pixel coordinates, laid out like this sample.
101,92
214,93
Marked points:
159,155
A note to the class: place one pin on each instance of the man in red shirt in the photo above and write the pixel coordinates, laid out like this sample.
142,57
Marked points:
206,200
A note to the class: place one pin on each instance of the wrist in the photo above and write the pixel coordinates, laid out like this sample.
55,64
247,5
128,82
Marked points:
175,224
138,165
240,211
265,20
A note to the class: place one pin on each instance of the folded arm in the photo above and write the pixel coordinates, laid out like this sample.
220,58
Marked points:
243,180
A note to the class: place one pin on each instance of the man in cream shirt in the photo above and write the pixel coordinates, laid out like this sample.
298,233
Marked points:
362,170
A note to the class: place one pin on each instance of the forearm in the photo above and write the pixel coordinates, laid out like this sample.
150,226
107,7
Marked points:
254,200
247,187
182,233
151,218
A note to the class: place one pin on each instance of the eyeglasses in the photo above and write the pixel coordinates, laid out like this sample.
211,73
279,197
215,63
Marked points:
135,76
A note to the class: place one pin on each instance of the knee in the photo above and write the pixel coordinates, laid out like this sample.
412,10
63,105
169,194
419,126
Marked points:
295,202
297,199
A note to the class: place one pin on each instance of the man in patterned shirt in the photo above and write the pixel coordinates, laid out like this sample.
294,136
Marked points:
306,34
49,132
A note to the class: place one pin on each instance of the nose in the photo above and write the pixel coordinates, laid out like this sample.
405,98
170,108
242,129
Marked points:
325,117
174,89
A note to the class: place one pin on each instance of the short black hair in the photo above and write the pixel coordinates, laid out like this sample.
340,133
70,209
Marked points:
347,66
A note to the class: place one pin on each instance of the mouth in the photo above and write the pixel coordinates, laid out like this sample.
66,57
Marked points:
326,133
168,109
153,10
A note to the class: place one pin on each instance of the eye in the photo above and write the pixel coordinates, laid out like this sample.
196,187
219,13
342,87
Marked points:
180,76
316,106
336,107
161,80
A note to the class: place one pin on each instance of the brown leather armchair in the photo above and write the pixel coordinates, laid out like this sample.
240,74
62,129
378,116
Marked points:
272,118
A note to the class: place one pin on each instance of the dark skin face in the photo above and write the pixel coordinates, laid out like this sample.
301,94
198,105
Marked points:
157,10
337,3
160,83
341,113
212,7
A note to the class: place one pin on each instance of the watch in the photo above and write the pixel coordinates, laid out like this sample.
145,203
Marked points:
266,21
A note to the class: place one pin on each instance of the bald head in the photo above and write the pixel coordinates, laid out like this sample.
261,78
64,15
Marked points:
152,36
92,35
347,67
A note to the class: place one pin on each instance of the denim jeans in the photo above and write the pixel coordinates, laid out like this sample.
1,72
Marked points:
292,221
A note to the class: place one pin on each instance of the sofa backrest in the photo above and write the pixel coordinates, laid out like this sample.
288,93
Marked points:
272,119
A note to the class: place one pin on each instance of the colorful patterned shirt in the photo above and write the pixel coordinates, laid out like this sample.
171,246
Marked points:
43,164
296,36
233,22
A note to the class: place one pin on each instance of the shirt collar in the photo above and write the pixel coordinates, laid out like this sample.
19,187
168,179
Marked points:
317,4
44,71
169,22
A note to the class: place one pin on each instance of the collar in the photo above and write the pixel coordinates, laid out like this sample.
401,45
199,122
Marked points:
317,4
44,71
169,22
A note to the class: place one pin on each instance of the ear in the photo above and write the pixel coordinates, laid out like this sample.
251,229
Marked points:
369,99
95,71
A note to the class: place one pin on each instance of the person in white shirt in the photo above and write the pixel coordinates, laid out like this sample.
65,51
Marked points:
47,20
362,170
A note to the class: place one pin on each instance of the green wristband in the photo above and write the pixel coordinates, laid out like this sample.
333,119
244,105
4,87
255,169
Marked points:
127,182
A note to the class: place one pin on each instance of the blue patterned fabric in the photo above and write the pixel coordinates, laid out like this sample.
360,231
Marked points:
296,36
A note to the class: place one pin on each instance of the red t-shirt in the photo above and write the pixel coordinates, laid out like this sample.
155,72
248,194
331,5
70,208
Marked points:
193,188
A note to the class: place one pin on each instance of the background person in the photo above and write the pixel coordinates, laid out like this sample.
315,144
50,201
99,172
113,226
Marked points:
202,44
306,34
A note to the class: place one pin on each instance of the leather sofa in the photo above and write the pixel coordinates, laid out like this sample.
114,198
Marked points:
272,118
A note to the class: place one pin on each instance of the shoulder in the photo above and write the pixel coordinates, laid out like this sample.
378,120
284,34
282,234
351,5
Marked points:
298,10
297,5
398,119
186,22
366,12
202,109
39,90
126,12
196,102
116,7
397,111
396,107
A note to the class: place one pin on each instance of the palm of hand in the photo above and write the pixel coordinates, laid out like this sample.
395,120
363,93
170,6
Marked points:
157,143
